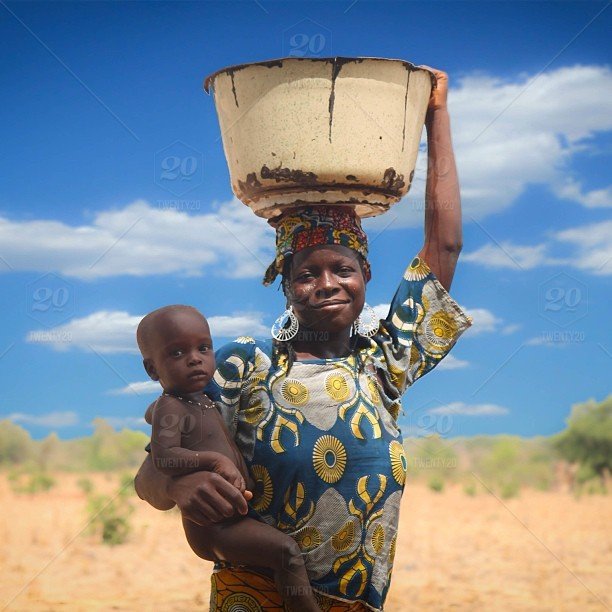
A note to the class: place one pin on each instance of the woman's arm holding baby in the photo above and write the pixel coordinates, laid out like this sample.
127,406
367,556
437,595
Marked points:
202,497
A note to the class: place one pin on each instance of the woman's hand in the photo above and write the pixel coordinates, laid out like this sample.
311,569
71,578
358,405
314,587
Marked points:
439,93
205,497
224,467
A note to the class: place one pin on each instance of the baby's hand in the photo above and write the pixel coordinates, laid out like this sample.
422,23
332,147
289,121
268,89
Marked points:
225,468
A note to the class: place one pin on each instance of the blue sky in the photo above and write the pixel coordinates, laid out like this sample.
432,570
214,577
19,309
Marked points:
92,236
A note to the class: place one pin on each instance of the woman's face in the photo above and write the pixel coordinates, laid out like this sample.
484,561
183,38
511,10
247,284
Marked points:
326,288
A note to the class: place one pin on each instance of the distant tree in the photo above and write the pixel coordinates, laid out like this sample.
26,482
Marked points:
588,437
16,445
107,449
47,451
501,467
103,452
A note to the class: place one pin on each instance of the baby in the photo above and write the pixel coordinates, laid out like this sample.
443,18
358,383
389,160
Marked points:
189,435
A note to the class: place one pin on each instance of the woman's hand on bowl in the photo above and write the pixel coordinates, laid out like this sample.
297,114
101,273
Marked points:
439,93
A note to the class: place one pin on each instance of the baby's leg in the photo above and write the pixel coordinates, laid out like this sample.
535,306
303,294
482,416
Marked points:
246,541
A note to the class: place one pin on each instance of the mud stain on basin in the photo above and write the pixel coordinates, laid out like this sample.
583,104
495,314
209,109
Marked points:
251,185
393,181
287,175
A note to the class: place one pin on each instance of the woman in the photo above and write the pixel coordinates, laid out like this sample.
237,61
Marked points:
314,412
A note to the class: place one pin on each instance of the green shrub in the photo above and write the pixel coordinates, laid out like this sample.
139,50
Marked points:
588,437
589,482
40,482
16,445
584,474
431,457
595,487
85,485
470,489
436,484
109,518
30,482
506,462
509,489
126,485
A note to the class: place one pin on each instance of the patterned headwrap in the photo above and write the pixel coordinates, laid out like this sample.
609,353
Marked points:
314,225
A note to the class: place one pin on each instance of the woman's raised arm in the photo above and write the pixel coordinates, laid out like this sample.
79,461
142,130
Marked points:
443,236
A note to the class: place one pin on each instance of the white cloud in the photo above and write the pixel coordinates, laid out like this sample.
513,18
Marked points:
508,135
103,331
557,339
461,408
544,340
483,321
508,255
596,198
115,331
239,324
381,310
592,247
450,362
145,387
143,240
588,248
50,419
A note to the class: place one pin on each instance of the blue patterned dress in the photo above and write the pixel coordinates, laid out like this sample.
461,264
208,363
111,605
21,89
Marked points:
323,443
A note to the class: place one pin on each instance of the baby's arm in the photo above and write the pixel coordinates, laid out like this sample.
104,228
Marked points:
170,420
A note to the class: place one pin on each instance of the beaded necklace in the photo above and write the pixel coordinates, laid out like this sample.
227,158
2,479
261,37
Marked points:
206,406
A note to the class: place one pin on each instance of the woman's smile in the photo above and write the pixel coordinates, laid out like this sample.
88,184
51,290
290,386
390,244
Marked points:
327,288
331,305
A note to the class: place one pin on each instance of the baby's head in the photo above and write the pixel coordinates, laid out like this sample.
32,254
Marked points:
176,347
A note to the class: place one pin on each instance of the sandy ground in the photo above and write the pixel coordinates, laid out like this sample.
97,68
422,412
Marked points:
540,551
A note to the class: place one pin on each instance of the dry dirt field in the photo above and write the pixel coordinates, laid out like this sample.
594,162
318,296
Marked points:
540,551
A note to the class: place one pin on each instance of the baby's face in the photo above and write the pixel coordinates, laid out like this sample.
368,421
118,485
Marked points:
183,359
